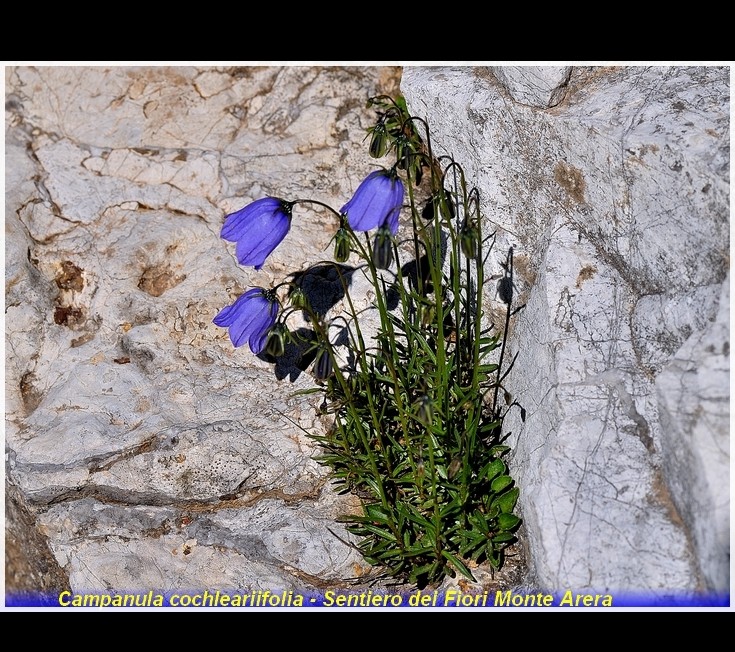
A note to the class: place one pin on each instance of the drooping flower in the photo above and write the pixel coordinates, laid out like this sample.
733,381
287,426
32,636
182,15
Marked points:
258,229
250,318
376,202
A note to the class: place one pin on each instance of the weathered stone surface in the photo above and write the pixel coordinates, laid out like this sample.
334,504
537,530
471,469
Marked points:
693,400
616,201
153,454
538,86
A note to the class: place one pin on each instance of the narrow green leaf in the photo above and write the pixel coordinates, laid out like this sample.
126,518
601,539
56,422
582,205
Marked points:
426,569
458,565
306,392
417,551
494,511
479,520
376,512
373,529
499,450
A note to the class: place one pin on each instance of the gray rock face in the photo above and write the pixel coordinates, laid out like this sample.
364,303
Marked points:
538,86
612,186
153,453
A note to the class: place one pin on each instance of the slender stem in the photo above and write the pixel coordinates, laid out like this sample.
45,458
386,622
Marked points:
317,203
509,272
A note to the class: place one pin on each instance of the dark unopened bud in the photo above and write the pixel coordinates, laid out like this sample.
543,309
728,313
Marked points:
383,248
424,410
298,298
323,365
403,151
341,245
379,141
469,239
276,343
416,171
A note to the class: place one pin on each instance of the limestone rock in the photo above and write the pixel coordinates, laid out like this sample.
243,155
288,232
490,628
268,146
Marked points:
151,453
538,86
615,197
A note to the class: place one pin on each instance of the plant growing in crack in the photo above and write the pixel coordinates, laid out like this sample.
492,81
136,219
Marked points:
415,395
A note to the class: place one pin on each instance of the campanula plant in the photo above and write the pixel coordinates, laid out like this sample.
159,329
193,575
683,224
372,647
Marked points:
250,319
376,203
258,229
415,392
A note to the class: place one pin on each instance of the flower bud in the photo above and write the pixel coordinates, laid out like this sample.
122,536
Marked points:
408,159
469,240
428,313
424,408
341,245
403,151
383,248
276,343
323,365
379,141
297,298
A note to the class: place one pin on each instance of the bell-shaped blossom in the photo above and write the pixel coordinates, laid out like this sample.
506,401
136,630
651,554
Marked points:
376,202
250,318
258,229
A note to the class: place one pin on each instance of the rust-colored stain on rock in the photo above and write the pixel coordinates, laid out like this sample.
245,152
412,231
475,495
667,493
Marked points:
571,180
70,277
585,274
156,280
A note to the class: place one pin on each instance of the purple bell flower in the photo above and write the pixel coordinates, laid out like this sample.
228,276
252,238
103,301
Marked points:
250,318
376,202
258,229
